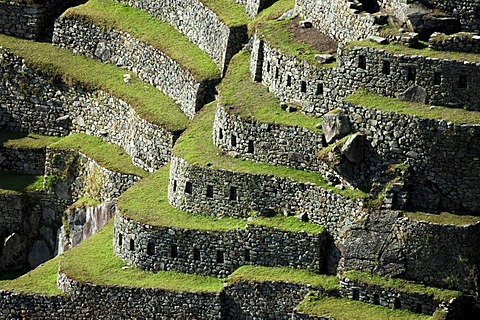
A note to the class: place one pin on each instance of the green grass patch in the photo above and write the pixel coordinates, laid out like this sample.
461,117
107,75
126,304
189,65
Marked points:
150,104
290,223
138,204
85,201
196,146
18,183
346,309
277,35
94,261
374,101
147,28
250,100
401,285
107,155
421,50
8,276
41,280
283,274
273,12
25,141
228,11
444,218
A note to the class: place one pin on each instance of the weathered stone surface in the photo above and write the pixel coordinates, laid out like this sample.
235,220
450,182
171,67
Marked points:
414,94
354,148
39,253
335,126
425,23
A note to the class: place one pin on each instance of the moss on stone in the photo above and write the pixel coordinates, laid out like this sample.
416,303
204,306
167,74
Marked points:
273,12
19,183
444,218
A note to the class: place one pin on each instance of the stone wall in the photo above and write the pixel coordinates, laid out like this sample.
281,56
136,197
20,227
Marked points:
252,7
267,142
292,80
338,19
201,25
460,42
439,81
73,175
238,194
442,157
22,161
31,102
263,300
150,64
216,253
467,11
31,19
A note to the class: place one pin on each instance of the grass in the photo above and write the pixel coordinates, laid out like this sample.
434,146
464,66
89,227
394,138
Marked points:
291,224
138,204
23,140
346,309
147,28
421,50
251,100
106,154
94,261
401,285
20,183
150,104
277,35
374,101
273,12
444,218
7,277
228,11
41,280
85,201
283,274
196,146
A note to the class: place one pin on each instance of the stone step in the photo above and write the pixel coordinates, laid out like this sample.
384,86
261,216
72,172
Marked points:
135,40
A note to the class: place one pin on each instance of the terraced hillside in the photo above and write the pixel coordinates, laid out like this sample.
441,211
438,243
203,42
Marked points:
219,159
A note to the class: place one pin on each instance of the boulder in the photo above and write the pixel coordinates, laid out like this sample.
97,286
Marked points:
335,126
426,23
414,94
39,253
353,148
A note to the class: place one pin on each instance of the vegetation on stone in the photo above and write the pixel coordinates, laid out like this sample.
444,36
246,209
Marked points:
15,183
273,12
143,26
444,218
108,155
148,102
251,100
401,285
372,100
292,224
228,11
23,140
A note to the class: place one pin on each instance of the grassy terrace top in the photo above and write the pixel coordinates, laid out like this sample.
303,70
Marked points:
228,11
148,102
290,223
145,27
283,274
196,146
108,155
374,101
10,183
401,285
346,309
138,204
251,100
273,12
421,50
93,261
276,34
23,140
444,218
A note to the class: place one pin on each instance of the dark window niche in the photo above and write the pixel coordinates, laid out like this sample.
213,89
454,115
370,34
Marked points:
276,73
376,299
220,256
173,251
462,81
233,193
386,67
437,78
220,133
247,255
289,80
132,245
411,74
362,62
150,248
174,185
319,90
268,66
418,308
233,140
196,254
250,146
397,304
303,87
120,239
356,294
188,187
209,191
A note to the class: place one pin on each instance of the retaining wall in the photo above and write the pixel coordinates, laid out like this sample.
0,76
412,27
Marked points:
238,194
467,11
460,42
200,24
216,253
34,103
267,142
150,64
22,161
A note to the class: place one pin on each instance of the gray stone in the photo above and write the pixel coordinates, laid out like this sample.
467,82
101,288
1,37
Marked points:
305,24
335,126
425,23
354,148
39,253
324,58
378,39
414,93
290,13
